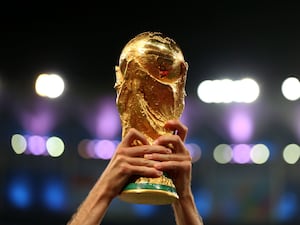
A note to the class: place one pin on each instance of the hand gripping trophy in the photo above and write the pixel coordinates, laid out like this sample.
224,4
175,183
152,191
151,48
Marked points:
150,87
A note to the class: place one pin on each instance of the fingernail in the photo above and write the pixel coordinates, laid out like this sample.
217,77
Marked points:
157,166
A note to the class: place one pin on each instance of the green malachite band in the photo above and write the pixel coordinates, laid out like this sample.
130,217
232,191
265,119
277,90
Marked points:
151,186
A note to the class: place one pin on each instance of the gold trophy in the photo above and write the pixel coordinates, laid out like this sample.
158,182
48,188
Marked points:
150,87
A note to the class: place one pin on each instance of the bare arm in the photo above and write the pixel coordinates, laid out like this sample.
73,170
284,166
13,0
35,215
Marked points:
94,207
149,161
186,212
127,161
179,166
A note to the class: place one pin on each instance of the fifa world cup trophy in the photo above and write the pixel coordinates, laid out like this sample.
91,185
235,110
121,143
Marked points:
150,87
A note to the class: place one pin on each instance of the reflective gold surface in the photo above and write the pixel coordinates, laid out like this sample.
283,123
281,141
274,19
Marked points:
150,87
150,83
148,196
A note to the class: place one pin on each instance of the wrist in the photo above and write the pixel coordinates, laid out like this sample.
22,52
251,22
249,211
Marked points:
103,192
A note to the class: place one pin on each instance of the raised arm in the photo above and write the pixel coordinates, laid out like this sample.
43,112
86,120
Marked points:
144,160
127,161
179,167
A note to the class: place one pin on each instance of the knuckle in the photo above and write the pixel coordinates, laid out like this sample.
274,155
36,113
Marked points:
124,169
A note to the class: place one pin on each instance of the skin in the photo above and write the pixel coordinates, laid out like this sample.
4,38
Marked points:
148,161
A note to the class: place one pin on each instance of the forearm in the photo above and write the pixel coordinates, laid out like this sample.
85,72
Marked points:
186,212
93,208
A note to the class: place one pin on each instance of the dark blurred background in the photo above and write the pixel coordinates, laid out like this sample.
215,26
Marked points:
82,42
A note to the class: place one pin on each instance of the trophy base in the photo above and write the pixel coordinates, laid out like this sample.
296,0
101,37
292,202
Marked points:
152,193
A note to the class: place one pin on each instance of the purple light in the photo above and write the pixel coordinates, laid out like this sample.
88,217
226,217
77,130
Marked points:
195,151
104,121
39,121
240,127
241,153
191,114
37,145
108,120
104,149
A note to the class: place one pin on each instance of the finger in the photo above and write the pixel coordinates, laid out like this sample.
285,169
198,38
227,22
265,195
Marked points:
137,161
168,157
177,145
139,166
140,151
173,165
133,135
145,171
178,128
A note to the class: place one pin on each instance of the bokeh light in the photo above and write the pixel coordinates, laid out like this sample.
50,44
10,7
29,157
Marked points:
290,88
291,153
49,85
20,193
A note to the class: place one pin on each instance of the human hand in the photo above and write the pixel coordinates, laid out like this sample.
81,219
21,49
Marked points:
178,165
128,161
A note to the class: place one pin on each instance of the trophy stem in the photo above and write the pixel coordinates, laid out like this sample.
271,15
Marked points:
153,191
